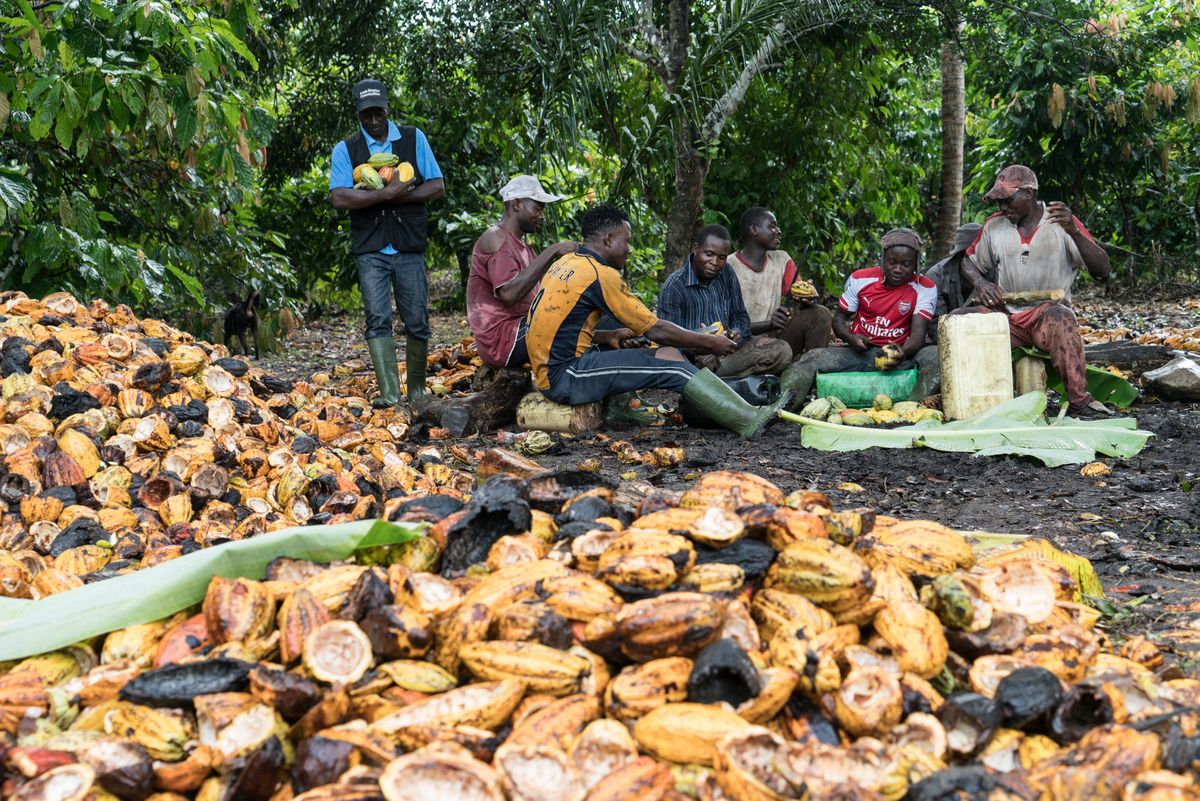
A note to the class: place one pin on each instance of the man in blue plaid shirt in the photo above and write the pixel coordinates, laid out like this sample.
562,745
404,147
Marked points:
703,293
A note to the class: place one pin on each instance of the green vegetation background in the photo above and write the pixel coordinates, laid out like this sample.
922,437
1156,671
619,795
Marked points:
172,154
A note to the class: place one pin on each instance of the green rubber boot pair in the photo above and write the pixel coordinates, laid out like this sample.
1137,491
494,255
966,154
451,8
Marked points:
724,406
387,373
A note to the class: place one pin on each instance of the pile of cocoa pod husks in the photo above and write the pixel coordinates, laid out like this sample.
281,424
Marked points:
125,442
727,642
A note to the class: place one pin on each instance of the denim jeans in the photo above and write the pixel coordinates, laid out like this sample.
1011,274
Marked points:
381,274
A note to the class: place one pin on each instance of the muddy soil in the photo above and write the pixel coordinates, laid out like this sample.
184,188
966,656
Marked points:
1140,525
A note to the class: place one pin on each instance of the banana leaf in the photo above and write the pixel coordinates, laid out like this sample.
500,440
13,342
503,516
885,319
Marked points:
35,627
1104,386
1015,427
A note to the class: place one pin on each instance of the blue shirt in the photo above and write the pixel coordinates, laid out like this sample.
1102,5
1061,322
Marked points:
690,304
341,171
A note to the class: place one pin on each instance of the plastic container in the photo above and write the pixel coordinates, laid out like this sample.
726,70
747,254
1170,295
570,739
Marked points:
860,389
1029,375
976,363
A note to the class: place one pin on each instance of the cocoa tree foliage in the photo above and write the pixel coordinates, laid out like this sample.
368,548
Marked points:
658,82
130,147
841,143
165,153
1104,103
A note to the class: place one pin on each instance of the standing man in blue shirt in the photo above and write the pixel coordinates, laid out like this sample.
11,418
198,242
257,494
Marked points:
388,234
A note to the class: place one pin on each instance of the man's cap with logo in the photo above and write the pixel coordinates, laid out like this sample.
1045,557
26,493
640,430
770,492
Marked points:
1011,179
526,186
369,94
902,236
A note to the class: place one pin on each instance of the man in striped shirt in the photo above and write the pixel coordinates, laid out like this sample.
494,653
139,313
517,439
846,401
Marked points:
704,292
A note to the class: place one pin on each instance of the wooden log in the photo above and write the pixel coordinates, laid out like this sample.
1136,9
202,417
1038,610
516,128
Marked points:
536,412
1130,356
492,406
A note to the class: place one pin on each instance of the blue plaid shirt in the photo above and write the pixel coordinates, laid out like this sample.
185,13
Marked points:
690,304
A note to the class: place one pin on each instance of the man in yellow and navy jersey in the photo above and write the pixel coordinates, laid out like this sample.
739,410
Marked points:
572,363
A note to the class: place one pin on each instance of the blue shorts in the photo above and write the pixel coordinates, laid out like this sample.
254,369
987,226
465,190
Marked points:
519,355
599,373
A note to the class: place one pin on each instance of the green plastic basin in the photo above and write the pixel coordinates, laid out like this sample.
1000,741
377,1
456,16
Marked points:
860,389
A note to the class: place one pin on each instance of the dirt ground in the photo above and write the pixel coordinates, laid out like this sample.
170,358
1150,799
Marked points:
1140,526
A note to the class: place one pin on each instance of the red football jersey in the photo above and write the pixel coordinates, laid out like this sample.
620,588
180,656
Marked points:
884,314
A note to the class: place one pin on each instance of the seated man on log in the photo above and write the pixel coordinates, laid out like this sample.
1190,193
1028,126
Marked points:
1036,249
766,275
577,291
505,273
952,290
704,292
883,316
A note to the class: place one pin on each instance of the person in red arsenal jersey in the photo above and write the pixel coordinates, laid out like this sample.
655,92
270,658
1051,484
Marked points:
885,305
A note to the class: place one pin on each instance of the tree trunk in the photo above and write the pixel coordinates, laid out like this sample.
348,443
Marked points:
691,169
953,114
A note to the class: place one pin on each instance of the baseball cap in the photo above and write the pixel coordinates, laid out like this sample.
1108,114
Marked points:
902,236
369,94
1011,179
526,186
964,237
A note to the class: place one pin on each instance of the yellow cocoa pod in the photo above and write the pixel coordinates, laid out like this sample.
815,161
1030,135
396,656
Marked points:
639,689
673,624
829,575
542,668
558,723
686,733
918,547
915,637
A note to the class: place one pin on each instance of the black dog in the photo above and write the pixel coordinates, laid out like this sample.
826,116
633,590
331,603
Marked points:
243,317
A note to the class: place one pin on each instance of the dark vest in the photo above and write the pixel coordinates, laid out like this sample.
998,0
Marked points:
404,225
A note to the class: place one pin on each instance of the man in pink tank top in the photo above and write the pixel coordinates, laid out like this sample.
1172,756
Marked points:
505,273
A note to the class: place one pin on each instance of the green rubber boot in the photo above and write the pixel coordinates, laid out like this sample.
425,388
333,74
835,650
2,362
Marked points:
416,352
387,374
722,405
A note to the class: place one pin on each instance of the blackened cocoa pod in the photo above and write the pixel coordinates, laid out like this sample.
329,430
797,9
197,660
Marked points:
319,761
427,509
256,781
398,632
176,685
1027,698
1085,707
754,557
756,518
1005,634
290,694
1180,752
150,377
370,592
585,510
123,767
969,720
971,781
723,672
